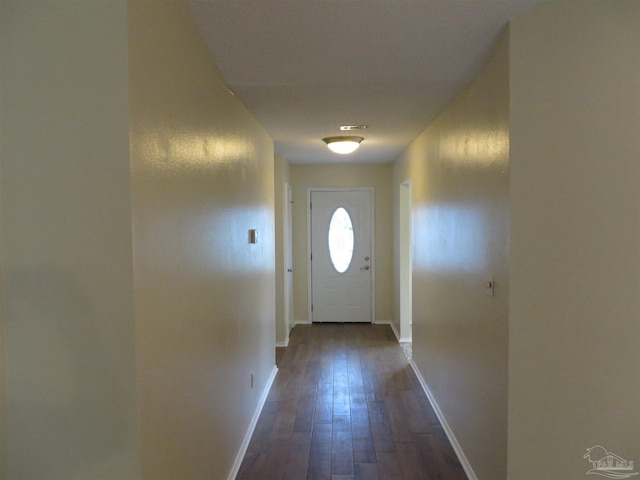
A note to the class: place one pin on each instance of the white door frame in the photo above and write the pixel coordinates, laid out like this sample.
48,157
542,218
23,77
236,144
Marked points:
373,247
406,246
288,259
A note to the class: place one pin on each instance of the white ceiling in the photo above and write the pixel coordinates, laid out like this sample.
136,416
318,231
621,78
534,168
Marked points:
305,67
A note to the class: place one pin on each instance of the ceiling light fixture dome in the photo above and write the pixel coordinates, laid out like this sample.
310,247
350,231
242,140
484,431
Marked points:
343,144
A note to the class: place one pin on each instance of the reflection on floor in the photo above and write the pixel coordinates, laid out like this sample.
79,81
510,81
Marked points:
406,348
346,404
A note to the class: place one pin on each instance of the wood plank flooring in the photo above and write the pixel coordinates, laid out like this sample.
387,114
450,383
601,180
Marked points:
347,405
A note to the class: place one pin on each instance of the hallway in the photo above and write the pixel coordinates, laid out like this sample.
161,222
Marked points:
347,405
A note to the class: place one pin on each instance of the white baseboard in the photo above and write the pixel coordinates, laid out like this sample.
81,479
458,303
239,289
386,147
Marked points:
395,332
283,344
302,322
447,430
382,322
247,437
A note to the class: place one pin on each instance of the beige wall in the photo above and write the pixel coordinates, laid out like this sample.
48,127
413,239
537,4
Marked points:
3,407
538,183
345,175
281,177
574,365
459,172
202,176
66,242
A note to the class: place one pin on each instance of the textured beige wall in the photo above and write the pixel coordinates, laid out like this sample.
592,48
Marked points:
66,242
3,410
574,365
3,406
459,172
281,177
202,176
345,175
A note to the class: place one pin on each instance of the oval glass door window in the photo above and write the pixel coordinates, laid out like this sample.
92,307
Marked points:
341,240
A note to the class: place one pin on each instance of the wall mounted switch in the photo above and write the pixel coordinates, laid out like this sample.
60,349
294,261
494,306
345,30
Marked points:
489,286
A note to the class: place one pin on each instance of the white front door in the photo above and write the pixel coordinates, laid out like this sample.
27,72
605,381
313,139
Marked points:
341,255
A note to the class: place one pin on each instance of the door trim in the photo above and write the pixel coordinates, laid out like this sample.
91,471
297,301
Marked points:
288,259
372,192
406,247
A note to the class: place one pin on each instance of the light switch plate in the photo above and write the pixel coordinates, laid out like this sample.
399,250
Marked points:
489,286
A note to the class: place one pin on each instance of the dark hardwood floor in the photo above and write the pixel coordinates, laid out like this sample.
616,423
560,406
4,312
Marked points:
347,405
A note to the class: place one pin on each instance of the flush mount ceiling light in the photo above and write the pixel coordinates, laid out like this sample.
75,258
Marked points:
343,144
